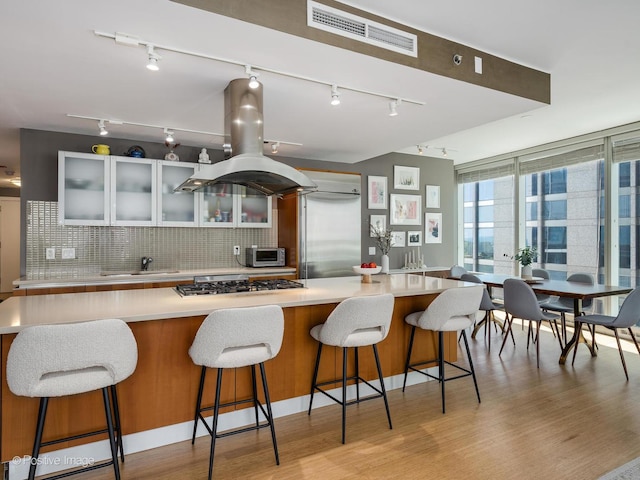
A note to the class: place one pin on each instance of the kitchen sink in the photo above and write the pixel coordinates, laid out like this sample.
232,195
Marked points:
137,272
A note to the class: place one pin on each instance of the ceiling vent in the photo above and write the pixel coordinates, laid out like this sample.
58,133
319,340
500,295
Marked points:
362,29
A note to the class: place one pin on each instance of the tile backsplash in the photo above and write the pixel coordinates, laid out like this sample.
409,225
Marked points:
99,249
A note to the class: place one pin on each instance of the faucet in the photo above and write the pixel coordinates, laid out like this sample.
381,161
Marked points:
145,263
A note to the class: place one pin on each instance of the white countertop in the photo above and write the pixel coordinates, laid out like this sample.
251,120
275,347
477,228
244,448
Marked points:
150,276
158,303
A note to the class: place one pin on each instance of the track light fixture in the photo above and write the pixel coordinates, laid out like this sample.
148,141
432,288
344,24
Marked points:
335,95
420,151
274,147
444,152
152,63
102,128
169,136
253,77
393,107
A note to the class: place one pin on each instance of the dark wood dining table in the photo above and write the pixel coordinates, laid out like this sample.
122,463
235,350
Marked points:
578,292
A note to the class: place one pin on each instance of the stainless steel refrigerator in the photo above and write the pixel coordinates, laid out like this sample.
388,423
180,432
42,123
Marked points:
330,226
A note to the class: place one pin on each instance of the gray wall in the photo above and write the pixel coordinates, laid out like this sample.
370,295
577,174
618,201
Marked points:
39,173
433,171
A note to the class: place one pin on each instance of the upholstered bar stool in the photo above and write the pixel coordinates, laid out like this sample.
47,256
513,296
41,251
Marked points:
355,322
235,338
452,310
59,360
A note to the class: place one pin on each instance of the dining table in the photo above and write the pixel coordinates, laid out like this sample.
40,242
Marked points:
578,292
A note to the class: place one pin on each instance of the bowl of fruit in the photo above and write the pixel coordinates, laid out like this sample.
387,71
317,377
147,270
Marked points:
366,270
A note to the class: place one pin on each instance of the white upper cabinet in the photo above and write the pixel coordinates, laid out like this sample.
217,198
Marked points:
111,190
133,191
221,207
176,209
254,208
83,189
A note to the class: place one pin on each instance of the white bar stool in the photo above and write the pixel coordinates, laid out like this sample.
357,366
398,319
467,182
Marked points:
355,322
59,360
454,309
234,338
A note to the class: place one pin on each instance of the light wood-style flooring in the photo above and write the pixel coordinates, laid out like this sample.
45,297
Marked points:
555,422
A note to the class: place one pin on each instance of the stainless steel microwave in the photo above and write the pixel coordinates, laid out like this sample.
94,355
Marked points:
265,257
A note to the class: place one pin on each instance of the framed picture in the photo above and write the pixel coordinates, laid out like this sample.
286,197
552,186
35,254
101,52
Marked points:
398,239
377,223
406,178
377,193
432,228
433,196
405,209
414,239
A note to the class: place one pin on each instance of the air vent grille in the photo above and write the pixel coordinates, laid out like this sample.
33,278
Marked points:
358,28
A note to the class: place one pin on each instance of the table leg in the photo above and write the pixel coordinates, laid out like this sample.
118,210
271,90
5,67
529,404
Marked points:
577,335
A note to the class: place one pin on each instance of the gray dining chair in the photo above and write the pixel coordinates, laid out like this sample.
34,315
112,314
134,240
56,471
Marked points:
628,316
488,306
457,271
520,302
544,274
564,305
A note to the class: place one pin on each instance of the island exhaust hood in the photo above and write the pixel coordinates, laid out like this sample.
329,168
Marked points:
247,166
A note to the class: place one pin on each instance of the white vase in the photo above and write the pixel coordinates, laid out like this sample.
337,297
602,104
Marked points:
526,271
385,264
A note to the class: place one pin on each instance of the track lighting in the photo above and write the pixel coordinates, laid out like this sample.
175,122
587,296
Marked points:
335,95
393,107
101,127
420,151
275,147
253,77
152,64
444,152
169,136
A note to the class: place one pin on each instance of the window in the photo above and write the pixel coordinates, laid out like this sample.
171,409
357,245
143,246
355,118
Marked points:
554,181
488,226
554,210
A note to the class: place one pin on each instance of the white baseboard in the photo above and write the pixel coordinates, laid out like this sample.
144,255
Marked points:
58,460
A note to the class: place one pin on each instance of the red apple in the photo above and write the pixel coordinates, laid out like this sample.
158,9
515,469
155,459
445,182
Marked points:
372,265
364,265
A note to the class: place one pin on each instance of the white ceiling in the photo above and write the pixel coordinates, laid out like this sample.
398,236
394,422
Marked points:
52,64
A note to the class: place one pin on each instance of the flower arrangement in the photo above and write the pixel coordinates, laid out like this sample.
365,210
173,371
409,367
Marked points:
526,256
383,238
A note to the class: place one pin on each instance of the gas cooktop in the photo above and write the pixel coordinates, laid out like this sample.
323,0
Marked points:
235,286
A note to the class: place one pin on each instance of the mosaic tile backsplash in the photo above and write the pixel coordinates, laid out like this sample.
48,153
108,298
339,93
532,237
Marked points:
99,249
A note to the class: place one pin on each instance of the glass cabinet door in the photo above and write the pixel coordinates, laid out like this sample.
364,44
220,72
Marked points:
254,208
133,192
83,180
177,209
218,206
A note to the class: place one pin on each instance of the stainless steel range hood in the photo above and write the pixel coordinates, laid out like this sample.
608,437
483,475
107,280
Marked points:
248,166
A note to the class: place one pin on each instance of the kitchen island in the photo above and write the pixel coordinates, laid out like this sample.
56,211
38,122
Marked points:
157,401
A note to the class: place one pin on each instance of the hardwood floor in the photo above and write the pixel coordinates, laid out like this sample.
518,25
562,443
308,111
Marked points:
556,422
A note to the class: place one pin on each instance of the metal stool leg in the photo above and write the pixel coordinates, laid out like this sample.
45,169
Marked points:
110,429
406,365
315,377
116,417
473,372
214,427
357,376
42,413
269,413
255,393
196,417
384,391
344,393
441,364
